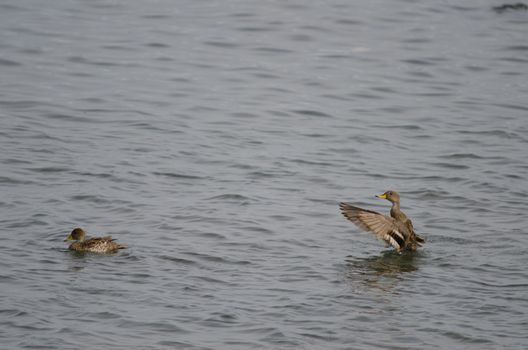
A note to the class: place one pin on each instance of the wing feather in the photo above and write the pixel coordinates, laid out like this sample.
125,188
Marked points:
382,226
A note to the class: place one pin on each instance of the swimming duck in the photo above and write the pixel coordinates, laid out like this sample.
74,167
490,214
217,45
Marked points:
397,230
94,245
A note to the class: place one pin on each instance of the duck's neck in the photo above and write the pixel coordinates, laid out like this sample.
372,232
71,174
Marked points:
395,210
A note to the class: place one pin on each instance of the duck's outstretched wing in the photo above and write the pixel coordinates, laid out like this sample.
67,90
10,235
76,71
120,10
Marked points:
382,226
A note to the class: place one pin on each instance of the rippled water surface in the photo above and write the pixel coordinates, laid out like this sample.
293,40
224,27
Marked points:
216,139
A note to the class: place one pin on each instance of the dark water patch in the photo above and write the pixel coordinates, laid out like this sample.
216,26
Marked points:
222,44
243,166
103,315
162,326
270,174
85,61
509,73
110,111
50,169
465,8
395,110
13,312
435,94
523,108
94,100
344,150
308,162
316,135
174,344
178,175
157,45
255,29
245,115
244,15
212,236
464,338
515,60
151,126
419,62
367,96
25,104
422,40
266,76
7,279
218,321
181,80
230,197
461,156
217,259
91,199
474,68
258,229
450,166
283,218
337,56
349,22
120,48
97,175
6,180
335,97
9,63
519,6
316,28
273,50
12,8
420,74
515,176
156,16
301,37
521,48
177,260
485,133
384,89
210,280
412,127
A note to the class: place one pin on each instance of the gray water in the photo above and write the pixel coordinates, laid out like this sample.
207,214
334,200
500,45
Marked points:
216,139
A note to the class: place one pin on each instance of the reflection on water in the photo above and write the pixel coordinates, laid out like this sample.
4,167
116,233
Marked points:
387,263
76,261
382,271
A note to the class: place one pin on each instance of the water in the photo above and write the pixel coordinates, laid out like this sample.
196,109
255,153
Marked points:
216,139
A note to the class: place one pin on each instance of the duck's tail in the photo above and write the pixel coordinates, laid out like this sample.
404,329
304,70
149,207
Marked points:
122,246
419,240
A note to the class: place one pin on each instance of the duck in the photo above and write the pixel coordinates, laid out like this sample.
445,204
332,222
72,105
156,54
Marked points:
94,245
396,230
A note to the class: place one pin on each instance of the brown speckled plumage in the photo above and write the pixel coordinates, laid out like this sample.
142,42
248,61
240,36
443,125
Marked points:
94,245
397,230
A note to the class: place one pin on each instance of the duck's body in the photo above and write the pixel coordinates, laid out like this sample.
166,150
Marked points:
94,245
397,230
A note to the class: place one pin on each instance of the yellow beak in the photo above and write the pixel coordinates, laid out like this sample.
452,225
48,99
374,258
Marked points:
382,196
69,238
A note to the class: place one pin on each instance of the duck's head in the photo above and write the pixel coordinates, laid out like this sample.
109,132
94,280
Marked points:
76,235
392,196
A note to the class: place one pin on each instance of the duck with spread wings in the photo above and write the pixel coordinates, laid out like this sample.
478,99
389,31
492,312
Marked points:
397,230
